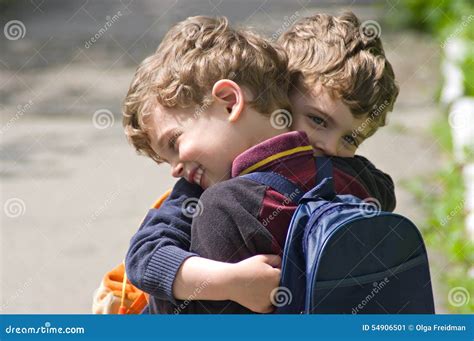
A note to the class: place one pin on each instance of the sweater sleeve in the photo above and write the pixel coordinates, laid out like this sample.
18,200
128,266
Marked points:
162,243
377,183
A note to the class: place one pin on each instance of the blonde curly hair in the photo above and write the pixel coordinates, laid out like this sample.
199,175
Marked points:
192,56
345,57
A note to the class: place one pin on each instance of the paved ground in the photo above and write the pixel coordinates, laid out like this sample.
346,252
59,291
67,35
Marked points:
79,190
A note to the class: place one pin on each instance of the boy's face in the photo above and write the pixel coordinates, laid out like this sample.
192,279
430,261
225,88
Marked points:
328,122
194,143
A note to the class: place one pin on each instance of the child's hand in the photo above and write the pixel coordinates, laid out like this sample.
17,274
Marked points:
254,280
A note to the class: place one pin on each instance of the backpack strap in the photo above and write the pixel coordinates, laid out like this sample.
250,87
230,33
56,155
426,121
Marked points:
323,168
279,183
324,188
324,179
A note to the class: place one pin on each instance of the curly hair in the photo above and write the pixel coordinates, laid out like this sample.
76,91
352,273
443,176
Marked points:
193,55
346,57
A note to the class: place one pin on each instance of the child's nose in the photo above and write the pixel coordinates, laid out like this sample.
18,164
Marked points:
329,148
177,170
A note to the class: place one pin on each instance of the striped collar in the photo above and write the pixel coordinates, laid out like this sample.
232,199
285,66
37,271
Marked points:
271,151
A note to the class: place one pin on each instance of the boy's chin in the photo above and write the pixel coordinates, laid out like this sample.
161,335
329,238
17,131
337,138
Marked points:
207,182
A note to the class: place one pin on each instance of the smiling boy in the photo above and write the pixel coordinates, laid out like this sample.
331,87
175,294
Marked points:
234,133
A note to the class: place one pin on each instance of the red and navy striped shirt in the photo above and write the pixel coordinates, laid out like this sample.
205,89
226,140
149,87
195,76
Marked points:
241,218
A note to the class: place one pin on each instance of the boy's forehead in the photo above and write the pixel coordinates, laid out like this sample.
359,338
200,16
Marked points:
323,100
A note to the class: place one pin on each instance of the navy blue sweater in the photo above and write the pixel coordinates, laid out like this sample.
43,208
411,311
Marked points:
162,244
163,240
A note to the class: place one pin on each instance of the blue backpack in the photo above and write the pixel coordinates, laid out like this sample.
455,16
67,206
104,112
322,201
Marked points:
344,256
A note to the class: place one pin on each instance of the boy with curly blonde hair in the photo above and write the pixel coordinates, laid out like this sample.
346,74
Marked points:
206,103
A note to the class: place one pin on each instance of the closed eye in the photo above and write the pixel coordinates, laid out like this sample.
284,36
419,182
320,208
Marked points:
174,137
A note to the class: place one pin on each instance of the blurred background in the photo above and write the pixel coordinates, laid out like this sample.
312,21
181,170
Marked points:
73,191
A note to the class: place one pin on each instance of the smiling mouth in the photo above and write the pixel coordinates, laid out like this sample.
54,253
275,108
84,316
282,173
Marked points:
196,175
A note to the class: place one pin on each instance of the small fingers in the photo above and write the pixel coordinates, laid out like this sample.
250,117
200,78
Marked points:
273,260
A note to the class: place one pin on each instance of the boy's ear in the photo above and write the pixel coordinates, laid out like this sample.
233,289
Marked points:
231,95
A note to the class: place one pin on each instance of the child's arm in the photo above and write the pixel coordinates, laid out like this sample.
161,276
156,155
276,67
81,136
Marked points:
161,245
248,282
159,262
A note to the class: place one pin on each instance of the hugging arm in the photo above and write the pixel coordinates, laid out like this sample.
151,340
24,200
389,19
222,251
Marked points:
159,261
228,230
161,245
